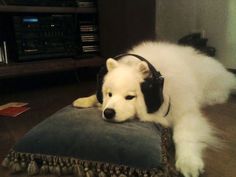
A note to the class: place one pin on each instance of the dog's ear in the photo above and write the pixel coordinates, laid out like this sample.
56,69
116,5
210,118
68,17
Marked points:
100,78
143,69
111,64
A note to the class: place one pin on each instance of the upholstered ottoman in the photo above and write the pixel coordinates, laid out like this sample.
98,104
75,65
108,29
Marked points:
79,142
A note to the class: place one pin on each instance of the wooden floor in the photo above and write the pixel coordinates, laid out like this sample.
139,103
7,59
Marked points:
222,163
44,101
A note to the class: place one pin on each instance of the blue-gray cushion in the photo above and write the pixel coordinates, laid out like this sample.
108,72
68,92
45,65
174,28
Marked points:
80,139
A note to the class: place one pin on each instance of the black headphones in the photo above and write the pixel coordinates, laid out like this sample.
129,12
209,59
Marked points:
152,87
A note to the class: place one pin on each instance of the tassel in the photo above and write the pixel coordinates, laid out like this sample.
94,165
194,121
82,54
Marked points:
111,172
57,170
32,168
11,162
6,161
78,171
64,170
102,174
50,165
63,167
44,169
131,172
117,169
139,172
152,173
89,173
155,175
122,175
69,168
106,169
15,168
23,164
51,168
125,170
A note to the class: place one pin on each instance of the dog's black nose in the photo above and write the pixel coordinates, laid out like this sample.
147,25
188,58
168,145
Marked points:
109,113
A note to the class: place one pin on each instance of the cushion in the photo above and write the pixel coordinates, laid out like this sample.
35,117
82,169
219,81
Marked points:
78,141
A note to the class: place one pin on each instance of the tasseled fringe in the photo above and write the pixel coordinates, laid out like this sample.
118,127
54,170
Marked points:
16,166
46,164
44,168
33,168
6,161
59,166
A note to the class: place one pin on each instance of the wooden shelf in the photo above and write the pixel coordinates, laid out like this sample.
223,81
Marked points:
37,9
45,66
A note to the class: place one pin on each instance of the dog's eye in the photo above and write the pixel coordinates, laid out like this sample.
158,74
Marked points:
129,97
109,94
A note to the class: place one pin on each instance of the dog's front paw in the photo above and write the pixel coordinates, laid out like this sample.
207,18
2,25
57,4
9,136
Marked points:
190,166
84,102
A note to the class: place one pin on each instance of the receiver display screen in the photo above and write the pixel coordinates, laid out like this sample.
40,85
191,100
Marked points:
30,20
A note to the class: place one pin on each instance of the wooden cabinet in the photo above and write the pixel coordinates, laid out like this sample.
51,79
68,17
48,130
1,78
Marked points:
14,68
124,23
121,24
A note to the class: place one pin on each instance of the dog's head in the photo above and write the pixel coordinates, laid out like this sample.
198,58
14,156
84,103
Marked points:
125,90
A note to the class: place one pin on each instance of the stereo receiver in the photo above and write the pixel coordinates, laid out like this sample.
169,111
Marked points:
45,36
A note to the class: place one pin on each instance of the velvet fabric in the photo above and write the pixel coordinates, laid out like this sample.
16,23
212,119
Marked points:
83,134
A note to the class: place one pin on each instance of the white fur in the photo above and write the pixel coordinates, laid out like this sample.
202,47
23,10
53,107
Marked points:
192,80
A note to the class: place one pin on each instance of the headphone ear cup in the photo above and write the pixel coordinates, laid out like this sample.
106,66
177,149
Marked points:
152,89
100,77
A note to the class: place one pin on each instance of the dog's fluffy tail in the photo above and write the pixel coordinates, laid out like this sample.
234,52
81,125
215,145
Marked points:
233,90
219,89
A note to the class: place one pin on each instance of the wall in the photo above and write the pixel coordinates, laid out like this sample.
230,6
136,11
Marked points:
175,18
216,17
219,19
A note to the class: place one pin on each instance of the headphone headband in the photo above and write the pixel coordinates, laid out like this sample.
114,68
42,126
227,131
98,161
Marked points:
155,73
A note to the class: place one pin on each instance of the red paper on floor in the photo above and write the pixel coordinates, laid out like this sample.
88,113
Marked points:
13,109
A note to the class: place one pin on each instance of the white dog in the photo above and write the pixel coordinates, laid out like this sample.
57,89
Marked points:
191,80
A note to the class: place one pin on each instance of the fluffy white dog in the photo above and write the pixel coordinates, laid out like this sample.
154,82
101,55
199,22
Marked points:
191,80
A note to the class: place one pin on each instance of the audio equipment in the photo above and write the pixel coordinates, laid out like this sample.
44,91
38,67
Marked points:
152,87
86,3
52,3
44,36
